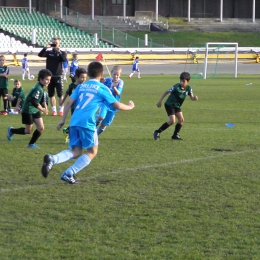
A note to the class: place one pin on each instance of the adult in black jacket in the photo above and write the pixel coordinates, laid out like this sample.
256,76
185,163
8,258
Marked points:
54,59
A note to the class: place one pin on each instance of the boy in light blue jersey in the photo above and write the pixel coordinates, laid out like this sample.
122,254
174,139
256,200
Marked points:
88,97
116,85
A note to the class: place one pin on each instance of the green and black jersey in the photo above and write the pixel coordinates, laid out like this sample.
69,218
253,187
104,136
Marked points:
177,95
4,80
37,93
19,93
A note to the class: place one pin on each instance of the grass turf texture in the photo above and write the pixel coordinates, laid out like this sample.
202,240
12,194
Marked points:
140,198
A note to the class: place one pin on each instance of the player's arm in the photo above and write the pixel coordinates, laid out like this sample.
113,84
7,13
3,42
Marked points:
5,74
64,98
43,52
121,106
17,107
65,113
159,103
38,106
192,97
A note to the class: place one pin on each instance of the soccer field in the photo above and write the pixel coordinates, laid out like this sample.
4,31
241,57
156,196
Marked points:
140,198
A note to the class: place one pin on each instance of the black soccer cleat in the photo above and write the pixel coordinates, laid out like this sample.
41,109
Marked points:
156,135
47,165
176,137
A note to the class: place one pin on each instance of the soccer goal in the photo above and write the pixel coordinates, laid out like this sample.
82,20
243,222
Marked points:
203,59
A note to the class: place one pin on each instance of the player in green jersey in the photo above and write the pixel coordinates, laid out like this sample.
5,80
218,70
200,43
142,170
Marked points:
173,104
31,110
16,98
4,71
80,77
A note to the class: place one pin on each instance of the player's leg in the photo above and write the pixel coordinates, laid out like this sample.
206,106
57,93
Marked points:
106,122
59,88
28,73
5,100
101,115
171,115
27,120
23,74
138,73
38,131
88,140
178,126
51,93
131,74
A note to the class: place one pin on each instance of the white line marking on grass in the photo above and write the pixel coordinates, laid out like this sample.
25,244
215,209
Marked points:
223,154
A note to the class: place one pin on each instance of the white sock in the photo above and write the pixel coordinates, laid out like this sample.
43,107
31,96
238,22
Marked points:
63,156
61,109
53,109
81,163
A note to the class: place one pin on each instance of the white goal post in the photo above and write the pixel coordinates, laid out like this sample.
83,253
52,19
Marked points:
235,44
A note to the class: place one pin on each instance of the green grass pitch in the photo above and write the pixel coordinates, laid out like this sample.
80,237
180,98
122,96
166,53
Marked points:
139,198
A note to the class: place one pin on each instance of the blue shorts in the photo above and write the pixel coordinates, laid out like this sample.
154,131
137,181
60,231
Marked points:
107,114
82,137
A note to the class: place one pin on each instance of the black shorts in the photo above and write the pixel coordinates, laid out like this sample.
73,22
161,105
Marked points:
3,92
171,110
56,83
28,119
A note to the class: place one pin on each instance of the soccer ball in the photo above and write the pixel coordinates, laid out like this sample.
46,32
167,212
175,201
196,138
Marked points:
32,77
200,74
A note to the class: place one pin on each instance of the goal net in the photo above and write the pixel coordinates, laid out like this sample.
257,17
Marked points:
203,59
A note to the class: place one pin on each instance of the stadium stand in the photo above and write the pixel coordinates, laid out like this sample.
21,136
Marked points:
19,22
7,42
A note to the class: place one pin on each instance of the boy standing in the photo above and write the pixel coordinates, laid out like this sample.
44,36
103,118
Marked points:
54,59
65,67
17,98
173,104
74,65
88,96
116,85
4,71
31,111
25,67
135,69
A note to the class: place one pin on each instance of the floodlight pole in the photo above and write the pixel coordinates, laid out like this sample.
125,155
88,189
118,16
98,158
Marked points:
124,9
221,11
61,9
253,19
156,11
188,10
92,12
30,6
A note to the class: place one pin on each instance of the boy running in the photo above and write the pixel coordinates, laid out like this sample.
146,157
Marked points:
116,85
88,96
31,111
135,69
173,104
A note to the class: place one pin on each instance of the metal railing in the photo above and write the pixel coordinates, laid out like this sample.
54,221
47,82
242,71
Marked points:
85,23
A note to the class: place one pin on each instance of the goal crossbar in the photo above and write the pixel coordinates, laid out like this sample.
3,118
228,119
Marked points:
235,44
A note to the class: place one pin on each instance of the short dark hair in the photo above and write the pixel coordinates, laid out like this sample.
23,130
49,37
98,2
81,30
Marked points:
80,71
44,73
95,69
185,75
25,55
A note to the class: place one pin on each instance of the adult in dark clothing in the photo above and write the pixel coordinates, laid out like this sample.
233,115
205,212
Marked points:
54,59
